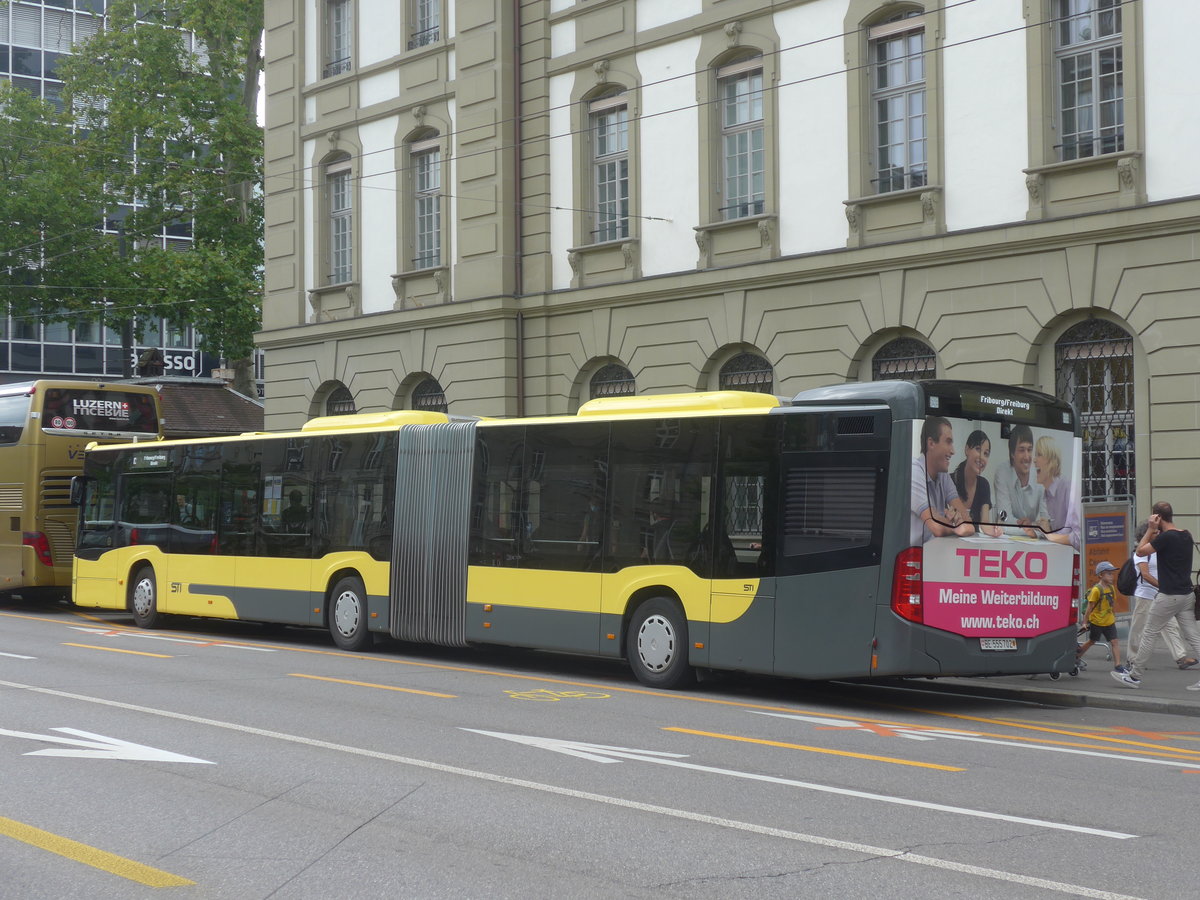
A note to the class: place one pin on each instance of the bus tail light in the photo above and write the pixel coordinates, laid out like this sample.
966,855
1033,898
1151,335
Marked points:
133,536
907,584
40,545
1076,590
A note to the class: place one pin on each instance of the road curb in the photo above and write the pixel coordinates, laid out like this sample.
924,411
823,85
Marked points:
1057,696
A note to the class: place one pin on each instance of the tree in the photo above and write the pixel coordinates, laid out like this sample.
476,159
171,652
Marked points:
167,144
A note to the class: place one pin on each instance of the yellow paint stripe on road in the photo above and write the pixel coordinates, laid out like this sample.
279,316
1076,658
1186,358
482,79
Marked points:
749,740
382,687
90,856
119,650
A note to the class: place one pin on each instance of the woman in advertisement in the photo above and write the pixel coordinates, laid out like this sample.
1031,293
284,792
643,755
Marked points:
1048,462
973,489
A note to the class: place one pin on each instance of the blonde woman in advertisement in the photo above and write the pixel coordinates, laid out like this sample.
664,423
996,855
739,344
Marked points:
1057,490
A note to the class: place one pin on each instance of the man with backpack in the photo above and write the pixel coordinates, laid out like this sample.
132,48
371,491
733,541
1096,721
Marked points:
1144,572
1174,600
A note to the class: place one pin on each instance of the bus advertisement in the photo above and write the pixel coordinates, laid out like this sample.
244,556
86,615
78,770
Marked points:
821,537
44,428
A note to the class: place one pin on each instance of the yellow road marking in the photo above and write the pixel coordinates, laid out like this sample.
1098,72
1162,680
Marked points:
119,650
750,740
90,856
382,687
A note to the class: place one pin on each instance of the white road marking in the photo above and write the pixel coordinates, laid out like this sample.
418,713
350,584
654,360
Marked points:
932,734
17,656
685,815
97,746
599,752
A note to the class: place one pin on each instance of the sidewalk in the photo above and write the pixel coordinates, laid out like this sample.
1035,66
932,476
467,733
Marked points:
1163,690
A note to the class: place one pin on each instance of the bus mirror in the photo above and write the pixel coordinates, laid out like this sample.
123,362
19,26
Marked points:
78,487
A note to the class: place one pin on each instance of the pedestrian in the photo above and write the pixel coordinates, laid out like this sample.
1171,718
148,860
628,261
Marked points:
1143,599
1174,600
1100,618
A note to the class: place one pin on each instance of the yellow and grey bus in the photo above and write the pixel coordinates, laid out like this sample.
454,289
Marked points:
44,428
708,531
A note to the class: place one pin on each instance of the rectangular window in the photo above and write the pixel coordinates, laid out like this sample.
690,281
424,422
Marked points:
427,205
898,99
1090,77
341,225
426,22
742,139
610,133
338,31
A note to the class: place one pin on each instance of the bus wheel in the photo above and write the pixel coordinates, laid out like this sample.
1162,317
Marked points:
143,599
348,614
657,644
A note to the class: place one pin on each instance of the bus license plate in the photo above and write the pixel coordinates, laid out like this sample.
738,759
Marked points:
997,643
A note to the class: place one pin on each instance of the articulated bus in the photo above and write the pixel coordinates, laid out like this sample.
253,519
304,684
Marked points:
709,531
44,428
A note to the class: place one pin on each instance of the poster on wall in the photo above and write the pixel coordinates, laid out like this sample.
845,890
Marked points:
1107,535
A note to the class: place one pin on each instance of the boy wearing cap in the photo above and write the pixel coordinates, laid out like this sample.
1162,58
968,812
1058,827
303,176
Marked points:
1101,621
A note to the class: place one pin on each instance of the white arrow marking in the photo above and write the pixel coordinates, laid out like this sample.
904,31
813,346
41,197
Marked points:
929,734
97,746
598,751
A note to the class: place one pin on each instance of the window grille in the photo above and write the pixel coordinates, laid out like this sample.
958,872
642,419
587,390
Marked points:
613,380
742,139
338,37
898,98
1094,365
1090,74
426,23
904,359
340,402
747,372
429,396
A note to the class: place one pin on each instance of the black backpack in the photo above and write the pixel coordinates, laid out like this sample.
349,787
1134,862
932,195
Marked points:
1127,578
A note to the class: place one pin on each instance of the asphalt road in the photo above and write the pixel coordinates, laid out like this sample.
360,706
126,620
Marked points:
222,760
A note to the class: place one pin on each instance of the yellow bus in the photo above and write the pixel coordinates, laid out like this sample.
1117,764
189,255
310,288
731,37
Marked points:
44,427
811,538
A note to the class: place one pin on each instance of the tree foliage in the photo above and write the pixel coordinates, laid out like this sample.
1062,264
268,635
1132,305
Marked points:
166,142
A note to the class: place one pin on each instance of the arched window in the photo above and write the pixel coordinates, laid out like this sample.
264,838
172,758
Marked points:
429,397
898,101
609,130
613,380
340,402
904,359
743,147
339,208
1093,361
747,372
425,159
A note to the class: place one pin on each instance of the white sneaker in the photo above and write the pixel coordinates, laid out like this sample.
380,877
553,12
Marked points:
1194,687
1125,679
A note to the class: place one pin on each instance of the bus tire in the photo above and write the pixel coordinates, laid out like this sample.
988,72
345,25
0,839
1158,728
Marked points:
143,598
348,614
656,645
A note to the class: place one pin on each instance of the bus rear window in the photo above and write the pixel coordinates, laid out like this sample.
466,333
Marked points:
71,409
14,411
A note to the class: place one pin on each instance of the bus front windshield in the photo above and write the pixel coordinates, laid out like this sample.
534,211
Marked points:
14,413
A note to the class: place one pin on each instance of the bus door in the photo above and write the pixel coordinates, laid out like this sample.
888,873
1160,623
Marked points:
738,541
831,514
97,535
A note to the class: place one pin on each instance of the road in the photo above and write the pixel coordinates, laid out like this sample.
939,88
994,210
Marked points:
223,760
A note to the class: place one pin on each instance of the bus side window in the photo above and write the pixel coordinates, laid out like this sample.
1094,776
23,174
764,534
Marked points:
744,545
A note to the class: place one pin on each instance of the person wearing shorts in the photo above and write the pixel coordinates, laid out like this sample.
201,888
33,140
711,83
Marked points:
1100,618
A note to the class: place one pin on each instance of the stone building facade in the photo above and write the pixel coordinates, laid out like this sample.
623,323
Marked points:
509,208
